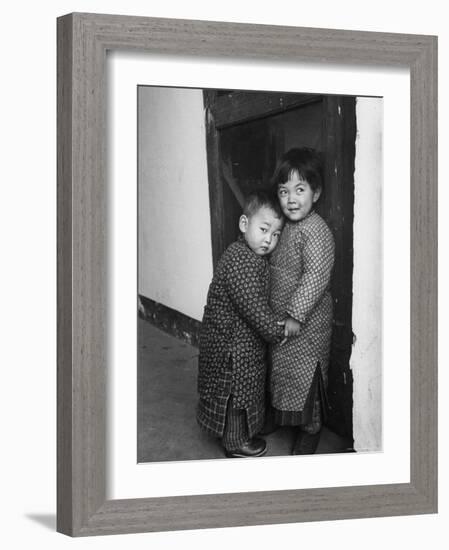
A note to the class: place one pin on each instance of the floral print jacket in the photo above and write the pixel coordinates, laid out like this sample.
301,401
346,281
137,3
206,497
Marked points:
237,324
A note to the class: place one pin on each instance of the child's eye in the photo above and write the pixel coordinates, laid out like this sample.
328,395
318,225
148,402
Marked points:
282,192
263,229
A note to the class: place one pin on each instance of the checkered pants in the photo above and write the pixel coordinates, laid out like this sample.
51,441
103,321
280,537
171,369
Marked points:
233,426
235,433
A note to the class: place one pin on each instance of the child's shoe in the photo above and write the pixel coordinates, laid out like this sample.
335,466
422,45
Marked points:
270,425
254,447
306,444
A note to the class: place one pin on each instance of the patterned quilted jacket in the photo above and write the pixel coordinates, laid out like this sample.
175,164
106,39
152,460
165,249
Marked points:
237,323
301,268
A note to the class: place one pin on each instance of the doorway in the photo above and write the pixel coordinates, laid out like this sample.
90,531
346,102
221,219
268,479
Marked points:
246,132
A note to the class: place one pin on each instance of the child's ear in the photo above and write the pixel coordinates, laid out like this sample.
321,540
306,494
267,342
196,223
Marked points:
316,194
243,223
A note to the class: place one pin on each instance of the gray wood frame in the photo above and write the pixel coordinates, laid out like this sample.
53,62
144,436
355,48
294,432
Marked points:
83,40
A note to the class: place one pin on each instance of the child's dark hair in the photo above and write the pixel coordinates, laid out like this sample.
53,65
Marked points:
304,161
259,199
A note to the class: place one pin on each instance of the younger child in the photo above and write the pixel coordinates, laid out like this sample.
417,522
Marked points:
236,324
300,290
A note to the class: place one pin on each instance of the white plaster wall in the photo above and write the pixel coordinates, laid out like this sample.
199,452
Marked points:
366,359
175,254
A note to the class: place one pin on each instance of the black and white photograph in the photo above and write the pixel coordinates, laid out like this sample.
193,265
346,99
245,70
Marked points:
259,274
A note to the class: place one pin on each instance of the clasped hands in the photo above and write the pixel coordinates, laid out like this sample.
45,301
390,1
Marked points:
292,328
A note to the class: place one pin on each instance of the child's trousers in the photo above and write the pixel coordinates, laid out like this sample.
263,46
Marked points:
235,433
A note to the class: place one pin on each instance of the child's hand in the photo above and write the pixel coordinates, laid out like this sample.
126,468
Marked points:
282,323
292,327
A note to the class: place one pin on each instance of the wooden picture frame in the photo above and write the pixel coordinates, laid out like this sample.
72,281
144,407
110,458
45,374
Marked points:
83,40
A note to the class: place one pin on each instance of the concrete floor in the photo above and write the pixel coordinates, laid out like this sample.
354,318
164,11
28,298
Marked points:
167,429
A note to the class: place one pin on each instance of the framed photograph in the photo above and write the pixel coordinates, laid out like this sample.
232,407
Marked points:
167,130
234,139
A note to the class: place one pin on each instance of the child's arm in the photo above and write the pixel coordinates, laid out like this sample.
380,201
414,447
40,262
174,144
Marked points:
318,260
247,292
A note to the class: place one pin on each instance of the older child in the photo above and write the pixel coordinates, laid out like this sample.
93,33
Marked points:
300,290
236,324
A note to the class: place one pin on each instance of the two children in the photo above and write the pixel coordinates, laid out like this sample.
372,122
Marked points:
238,319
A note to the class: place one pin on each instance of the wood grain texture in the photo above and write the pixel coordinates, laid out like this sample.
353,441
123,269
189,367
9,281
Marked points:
83,40
64,278
423,272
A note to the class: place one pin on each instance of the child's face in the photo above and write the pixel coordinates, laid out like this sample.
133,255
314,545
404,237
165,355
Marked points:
261,230
297,198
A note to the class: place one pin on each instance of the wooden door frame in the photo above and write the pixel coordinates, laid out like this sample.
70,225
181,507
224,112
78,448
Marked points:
224,109
339,135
